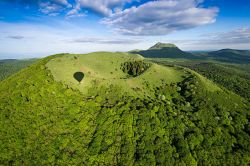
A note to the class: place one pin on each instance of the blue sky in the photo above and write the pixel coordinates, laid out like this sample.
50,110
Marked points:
34,28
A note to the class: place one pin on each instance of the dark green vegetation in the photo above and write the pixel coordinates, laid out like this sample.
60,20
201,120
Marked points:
234,77
227,76
163,50
79,76
166,50
11,66
45,122
134,68
230,55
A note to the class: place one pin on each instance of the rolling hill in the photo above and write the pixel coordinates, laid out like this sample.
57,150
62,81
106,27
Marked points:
119,109
164,50
230,55
11,66
168,50
233,76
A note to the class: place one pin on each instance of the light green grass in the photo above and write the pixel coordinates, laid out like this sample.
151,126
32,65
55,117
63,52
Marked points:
206,83
103,69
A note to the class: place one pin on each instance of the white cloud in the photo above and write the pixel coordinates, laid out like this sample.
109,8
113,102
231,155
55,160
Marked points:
235,39
29,40
49,8
62,2
16,37
75,11
101,7
106,40
161,17
237,36
53,7
42,40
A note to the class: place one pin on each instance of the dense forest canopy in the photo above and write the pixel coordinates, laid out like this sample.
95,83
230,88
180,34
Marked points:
234,77
134,68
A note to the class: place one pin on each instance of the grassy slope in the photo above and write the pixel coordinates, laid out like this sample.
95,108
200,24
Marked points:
103,69
206,83
232,76
162,45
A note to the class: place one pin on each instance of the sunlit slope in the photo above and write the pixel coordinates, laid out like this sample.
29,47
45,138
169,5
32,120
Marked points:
104,69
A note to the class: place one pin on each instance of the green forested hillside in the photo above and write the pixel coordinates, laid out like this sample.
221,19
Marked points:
11,66
189,121
168,50
231,55
225,55
229,77
234,77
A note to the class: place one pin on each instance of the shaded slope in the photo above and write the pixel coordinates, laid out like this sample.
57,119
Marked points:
11,66
231,55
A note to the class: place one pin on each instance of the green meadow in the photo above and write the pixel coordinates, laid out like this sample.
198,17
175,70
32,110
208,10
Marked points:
104,69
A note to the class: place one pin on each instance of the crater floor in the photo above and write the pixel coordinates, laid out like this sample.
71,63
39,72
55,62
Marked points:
104,69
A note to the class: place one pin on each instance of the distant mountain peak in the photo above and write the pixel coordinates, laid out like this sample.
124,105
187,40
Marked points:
232,51
227,50
160,45
164,50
